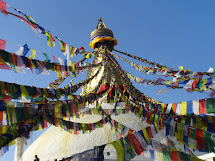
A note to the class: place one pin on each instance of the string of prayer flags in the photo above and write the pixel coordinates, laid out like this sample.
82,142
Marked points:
31,22
13,134
23,50
195,138
17,62
140,59
56,83
199,85
197,107
184,74
173,155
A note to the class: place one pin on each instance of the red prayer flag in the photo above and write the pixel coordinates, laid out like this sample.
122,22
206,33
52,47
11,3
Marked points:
2,43
174,155
7,98
3,7
75,132
194,83
120,135
202,106
200,139
149,130
1,118
135,144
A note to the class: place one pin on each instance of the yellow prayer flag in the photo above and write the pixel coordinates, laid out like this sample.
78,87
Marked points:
146,135
119,150
24,91
33,55
59,74
184,108
198,122
163,107
180,132
168,82
203,88
156,126
88,55
180,68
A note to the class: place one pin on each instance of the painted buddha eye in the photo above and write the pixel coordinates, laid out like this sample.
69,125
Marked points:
98,44
106,43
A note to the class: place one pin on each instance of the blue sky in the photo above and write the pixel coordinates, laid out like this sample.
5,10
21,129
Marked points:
173,33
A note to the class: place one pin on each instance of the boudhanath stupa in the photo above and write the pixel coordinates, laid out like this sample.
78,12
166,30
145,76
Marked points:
55,143
104,117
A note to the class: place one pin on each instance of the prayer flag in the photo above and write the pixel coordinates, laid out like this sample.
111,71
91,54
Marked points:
189,107
209,143
202,106
20,51
2,43
50,40
119,150
63,45
210,70
47,58
33,55
174,156
178,109
72,51
3,65
135,144
183,108
3,7
26,49
66,50
196,107
180,68
200,139
166,156
210,105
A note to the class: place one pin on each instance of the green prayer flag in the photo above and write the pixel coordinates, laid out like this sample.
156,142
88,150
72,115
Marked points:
47,58
210,105
166,156
209,144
